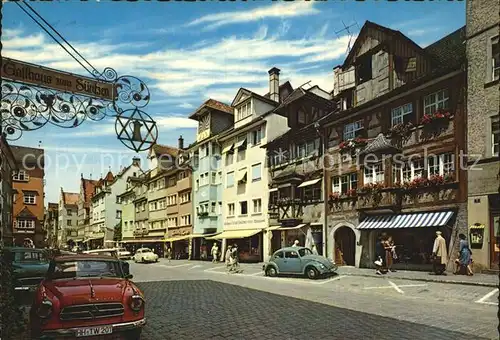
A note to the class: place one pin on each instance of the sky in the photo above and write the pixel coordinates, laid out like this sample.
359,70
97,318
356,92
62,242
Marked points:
189,52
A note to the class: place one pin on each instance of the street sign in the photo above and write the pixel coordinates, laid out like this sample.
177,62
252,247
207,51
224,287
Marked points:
19,71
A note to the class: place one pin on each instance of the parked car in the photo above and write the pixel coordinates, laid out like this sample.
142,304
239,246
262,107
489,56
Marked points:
87,295
29,266
104,252
124,254
145,255
298,261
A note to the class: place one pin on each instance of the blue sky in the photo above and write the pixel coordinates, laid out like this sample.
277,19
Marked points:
189,52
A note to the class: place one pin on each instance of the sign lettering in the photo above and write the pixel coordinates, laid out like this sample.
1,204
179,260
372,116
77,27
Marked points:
22,72
245,222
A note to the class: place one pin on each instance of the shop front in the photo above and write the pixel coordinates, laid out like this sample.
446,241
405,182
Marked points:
307,235
249,243
153,242
202,247
413,235
179,241
96,241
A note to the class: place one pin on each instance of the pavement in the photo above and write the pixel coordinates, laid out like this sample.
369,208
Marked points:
200,300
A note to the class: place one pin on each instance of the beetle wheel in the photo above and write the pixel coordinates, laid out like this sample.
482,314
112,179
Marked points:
312,273
271,271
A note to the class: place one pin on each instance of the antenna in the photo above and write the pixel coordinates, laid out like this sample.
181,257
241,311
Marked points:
347,28
306,83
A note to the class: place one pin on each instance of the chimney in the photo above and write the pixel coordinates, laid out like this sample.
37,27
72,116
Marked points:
181,143
274,84
136,161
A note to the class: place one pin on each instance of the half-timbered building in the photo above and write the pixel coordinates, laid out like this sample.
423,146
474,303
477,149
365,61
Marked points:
394,147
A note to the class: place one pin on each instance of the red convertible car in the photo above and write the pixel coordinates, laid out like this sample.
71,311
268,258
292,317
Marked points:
86,296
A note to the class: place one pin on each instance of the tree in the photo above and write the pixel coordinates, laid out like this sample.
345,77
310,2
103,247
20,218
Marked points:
117,237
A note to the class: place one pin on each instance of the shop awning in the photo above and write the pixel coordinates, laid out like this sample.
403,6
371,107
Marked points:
273,189
202,235
308,183
240,143
143,241
274,227
414,220
94,238
228,148
177,238
234,234
296,227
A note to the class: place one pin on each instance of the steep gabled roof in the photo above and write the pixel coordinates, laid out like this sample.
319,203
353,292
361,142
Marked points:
160,150
109,177
25,213
88,187
449,51
212,104
70,198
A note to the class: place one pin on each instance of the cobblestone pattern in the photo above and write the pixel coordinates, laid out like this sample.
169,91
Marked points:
214,310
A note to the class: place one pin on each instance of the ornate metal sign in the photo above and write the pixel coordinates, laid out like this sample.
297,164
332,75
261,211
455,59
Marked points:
30,101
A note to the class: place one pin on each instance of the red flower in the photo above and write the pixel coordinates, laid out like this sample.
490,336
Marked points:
439,115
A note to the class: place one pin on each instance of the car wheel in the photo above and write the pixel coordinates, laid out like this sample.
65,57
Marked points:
134,334
271,271
312,273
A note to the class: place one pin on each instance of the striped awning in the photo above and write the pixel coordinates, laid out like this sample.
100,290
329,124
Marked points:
414,220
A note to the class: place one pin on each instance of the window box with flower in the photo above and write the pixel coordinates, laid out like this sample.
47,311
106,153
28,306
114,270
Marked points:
351,145
441,116
401,131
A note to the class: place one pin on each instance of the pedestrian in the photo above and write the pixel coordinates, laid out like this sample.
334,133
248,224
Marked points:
235,259
389,253
229,259
314,249
169,254
439,254
464,261
296,243
215,252
379,255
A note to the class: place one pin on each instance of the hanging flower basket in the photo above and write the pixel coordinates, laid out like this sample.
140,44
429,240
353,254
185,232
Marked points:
352,144
441,116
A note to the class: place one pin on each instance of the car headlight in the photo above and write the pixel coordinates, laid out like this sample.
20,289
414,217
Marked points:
45,309
136,302
322,266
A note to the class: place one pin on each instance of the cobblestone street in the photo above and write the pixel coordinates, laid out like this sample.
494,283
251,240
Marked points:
199,300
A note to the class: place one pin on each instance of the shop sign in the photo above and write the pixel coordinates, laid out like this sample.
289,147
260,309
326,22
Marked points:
243,222
36,75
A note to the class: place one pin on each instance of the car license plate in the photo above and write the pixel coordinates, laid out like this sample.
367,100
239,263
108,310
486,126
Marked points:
92,331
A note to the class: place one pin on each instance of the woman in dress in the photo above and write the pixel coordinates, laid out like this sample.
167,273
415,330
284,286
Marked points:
465,256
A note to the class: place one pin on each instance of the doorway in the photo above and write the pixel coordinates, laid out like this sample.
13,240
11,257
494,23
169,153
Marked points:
345,246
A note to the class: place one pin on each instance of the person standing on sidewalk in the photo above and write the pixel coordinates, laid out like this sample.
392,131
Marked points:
169,254
228,259
440,254
389,251
214,252
379,255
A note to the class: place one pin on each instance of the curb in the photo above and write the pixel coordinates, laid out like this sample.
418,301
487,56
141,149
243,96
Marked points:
466,283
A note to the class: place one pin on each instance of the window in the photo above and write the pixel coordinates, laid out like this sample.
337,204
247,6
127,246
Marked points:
186,220
161,204
213,207
256,172
197,185
307,148
230,209
312,192
29,198
301,117
243,111
20,175
433,165
204,150
495,59
364,70
243,208
171,181
171,200
214,178
219,212
172,222
185,197
435,101
257,136
68,223
495,135
219,177
24,224
279,254
401,114
374,173
257,206
229,157
418,168
342,184
230,179
216,149
70,212
291,255
353,130
118,214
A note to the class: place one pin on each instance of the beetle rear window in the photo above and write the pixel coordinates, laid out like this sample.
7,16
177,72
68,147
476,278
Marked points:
31,256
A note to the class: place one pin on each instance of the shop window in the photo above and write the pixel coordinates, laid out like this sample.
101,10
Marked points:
353,130
435,101
495,135
364,70
243,208
402,114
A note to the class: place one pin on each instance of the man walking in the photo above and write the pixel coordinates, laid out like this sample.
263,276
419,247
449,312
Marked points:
440,254
229,261
214,252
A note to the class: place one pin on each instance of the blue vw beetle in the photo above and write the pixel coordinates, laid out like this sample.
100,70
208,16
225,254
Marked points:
298,261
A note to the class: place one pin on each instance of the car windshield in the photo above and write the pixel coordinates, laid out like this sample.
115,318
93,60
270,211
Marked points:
304,252
85,268
146,250
31,257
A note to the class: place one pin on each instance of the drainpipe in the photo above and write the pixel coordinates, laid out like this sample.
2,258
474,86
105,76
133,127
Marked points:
325,190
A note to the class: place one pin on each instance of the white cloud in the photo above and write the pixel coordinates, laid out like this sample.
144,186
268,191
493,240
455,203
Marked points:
186,106
278,10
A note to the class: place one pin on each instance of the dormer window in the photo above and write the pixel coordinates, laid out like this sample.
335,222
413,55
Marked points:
364,69
301,117
243,111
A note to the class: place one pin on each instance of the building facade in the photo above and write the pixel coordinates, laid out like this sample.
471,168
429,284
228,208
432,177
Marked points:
245,178
394,148
87,188
28,186
296,193
68,216
483,131
7,166
213,118
51,224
